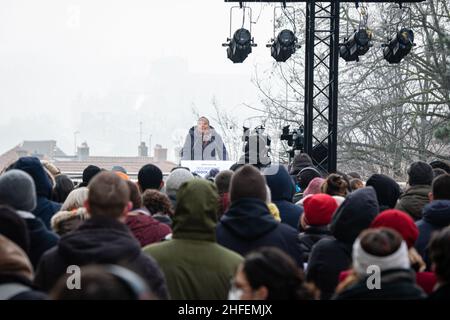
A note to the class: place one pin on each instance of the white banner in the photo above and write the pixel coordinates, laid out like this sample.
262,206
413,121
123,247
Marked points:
202,167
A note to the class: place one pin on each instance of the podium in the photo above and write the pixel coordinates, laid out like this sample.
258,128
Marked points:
202,167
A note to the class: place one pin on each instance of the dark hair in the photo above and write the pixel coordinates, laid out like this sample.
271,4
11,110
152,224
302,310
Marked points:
157,202
441,187
135,195
62,188
108,195
13,227
380,242
306,175
438,171
439,250
335,185
248,182
223,180
150,177
274,269
107,282
88,173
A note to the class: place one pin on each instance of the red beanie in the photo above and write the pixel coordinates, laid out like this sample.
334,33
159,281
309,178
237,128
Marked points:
319,209
400,222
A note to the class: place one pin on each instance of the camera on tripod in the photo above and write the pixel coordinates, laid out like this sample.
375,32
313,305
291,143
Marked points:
294,138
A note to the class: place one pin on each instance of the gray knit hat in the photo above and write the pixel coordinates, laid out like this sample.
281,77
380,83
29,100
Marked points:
17,189
175,179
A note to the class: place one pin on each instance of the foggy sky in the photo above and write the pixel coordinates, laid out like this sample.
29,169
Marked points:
102,66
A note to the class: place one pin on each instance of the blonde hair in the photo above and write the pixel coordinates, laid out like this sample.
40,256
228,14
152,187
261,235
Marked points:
75,199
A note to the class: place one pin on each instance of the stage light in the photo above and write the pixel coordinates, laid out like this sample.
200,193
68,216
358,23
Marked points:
240,46
399,46
357,45
284,45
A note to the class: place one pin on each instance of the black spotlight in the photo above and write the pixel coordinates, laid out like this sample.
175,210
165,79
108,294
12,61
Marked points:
284,45
399,46
239,46
357,45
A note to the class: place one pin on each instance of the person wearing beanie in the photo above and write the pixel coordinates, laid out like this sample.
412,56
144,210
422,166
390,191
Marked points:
150,177
16,273
436,215
174,181
318,210
387,190
282,189
248,223
45,208
195,265
17,190
88,173
222,181
405,226
384,248
330,256
415,197
13,227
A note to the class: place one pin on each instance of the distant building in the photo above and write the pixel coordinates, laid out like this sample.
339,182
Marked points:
75,164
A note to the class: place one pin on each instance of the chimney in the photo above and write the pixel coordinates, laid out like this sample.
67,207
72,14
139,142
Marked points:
142,150
83,151
160,153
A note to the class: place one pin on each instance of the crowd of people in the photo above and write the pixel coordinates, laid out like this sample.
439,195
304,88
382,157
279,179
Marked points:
242,234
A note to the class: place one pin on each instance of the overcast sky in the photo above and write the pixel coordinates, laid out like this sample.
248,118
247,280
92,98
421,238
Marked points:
102,66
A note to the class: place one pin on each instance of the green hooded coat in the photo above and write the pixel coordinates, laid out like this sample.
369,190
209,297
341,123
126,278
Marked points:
195,266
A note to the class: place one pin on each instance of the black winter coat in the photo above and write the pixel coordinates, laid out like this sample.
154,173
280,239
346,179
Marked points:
248,225
99,241
310,237
395,284
41,240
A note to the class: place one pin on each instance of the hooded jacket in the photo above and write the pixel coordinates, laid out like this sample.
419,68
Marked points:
99,240
194,149
195,266
248,225
387,190
16,274
145,228
413,200
282,190
436,216
329,257
45,208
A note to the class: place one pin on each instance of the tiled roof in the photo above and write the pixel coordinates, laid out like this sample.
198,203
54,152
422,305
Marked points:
130,164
